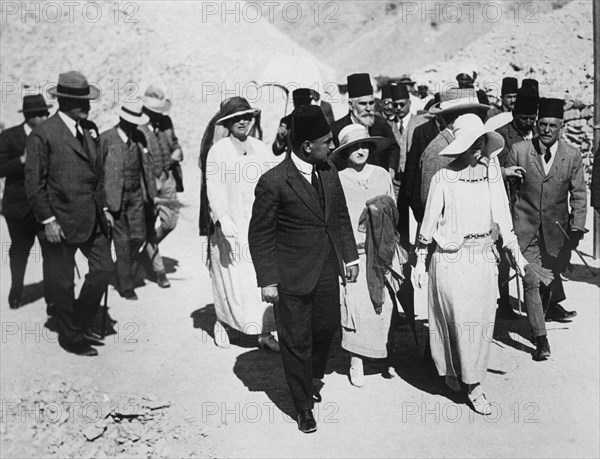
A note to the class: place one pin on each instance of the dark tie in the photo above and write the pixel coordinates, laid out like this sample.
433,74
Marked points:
400,126
548,155
316,183
78,134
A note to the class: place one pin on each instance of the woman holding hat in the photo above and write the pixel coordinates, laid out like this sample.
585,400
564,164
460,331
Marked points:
233,166
365,327
466,200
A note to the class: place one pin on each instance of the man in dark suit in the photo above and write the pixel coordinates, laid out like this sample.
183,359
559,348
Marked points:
64,184
325,106
362,111
300,237
552,182
22,225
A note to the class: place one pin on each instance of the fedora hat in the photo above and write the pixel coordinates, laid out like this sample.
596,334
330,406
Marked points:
457,99
34,104
467,129
354,134
132,112
74,85
405,79
236,106
155,100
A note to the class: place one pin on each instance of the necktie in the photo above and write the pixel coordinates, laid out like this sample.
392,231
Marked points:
316,183
78,133
400,126
548,155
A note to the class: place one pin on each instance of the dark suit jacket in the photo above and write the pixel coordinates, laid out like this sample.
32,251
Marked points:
542,200
290,235
511,136
387,158
65,179
12,145
422,136
327,111
113,152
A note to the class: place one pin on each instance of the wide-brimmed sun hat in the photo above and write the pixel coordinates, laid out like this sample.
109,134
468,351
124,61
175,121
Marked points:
74,85
156,100
355,134
456,99
35,104
236,106
132,112
467,129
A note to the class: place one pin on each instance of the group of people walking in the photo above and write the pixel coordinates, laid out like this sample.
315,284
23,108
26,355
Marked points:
314,234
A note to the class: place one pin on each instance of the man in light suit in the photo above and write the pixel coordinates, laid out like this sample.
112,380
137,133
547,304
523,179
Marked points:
301,241
64,184
552,179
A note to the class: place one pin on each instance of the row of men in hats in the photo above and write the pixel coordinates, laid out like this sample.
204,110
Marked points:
543,174
75,189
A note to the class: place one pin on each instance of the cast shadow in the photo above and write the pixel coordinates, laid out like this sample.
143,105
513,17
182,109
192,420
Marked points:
32,293
519,329
580,273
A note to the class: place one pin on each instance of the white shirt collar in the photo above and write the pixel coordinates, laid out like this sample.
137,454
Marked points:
70,122
27,129
122,134
304,167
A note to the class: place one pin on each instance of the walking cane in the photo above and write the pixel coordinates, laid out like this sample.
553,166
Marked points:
576,251
77,270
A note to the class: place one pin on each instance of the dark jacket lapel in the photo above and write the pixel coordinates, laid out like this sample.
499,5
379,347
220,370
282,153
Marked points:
303,189
69,138
536,156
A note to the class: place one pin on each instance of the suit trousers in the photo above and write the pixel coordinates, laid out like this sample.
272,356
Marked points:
74,315
538,297
306,325
129,235
22,236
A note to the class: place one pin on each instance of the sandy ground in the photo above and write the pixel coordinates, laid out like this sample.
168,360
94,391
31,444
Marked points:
237,399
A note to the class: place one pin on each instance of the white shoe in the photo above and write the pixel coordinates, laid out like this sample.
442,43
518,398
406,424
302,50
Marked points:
453,383
268,342
221,336
357,373
479,401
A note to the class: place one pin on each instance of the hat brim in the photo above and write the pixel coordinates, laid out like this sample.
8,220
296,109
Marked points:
379,143
493,145
252,111
36,109
93,95
436,110
162,109
138,120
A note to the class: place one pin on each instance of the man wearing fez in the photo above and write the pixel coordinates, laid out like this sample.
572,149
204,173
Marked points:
282,143
552,179
130,187
325,106
531,82
64,183
466,81
166,154
21,222
301,242
362,111
508,96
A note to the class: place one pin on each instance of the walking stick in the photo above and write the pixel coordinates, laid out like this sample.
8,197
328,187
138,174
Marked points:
576,251
519,293
77,270
105,309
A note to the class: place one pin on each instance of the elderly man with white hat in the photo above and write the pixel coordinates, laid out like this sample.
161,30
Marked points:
63,181
130,186
166,154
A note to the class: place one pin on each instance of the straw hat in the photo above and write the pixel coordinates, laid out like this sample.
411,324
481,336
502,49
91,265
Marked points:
354,134
467,129
156,100
132,113
236,106
457,99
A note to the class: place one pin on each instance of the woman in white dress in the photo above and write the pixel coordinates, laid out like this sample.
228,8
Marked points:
364,329
466,205
233,167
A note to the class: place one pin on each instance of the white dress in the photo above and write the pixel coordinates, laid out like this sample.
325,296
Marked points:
232,172
368,336
463,286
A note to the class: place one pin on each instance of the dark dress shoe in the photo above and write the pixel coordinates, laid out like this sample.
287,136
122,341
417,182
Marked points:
93,338
557,313
129,294
14,300
306,421
542,349
161,279
77,348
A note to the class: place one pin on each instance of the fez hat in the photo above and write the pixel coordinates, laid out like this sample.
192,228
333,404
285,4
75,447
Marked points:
510,85
457,99
399,91
156,100
527,101
308,123
531,82
236,106
301,96
132,112
355,134
386,91
34,104
551,108
467,129
359,84
74,85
